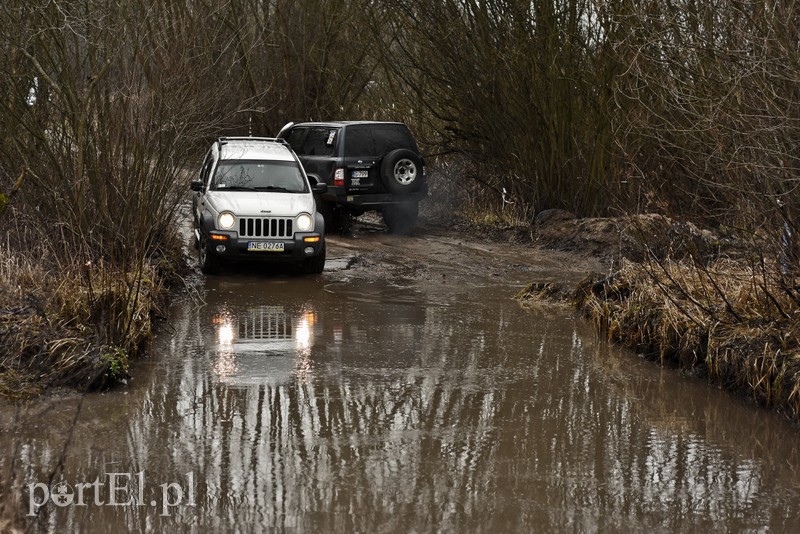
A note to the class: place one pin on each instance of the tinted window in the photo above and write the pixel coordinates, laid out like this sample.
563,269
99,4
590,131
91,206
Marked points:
377,140
391,137
319,142
295,139
278,176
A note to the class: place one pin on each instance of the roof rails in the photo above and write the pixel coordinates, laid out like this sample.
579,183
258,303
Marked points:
223,140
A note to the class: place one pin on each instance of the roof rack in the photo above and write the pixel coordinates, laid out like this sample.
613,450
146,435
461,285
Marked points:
223,140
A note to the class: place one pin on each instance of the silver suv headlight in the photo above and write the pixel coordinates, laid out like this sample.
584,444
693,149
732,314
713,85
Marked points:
226,220
304,222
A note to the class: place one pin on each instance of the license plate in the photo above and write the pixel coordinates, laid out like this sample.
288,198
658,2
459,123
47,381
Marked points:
264,246
360,174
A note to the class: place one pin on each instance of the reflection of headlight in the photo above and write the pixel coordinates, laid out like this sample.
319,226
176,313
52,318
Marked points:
304,222
226,220
302,334
225,364
225,334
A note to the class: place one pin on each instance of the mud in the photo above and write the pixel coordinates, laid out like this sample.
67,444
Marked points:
434,256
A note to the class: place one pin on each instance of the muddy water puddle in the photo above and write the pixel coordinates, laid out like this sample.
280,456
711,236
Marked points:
336,405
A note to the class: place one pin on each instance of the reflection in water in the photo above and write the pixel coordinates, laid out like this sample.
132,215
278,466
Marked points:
261,345
302,409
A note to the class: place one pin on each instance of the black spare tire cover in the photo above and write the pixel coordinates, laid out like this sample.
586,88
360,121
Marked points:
401,171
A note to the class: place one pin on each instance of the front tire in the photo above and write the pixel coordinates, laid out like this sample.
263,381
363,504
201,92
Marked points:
316,264
209,263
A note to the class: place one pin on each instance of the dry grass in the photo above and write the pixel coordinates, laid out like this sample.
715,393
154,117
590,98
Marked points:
73,325
732,322
545,291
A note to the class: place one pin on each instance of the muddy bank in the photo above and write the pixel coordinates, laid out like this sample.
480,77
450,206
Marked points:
76,327
455,254
685,297
728,323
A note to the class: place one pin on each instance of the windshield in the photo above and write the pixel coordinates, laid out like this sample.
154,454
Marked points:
242,175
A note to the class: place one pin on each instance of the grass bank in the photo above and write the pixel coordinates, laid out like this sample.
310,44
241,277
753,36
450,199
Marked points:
77,324
733,322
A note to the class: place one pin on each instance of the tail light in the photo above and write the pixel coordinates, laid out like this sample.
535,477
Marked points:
338,177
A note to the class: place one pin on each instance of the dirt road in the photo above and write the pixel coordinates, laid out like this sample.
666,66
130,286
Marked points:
439,255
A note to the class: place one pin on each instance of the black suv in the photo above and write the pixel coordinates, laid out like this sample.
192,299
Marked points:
366,165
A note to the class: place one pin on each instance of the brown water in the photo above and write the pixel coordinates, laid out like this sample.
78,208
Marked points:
303,405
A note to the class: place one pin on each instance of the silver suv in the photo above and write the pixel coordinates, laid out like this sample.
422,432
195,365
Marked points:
254,201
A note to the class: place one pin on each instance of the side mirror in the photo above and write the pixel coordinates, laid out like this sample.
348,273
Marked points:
197,185
319,188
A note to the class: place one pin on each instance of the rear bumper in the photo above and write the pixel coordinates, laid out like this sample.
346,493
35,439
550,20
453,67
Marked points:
371,201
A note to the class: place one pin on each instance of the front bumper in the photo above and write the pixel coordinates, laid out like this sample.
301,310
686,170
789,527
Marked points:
236,248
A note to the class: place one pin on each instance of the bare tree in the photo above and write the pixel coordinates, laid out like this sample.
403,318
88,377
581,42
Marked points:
101,110
520,88
712,110
297,60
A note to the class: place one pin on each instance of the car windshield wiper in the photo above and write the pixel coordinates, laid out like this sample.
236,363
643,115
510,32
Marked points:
234,188
276,188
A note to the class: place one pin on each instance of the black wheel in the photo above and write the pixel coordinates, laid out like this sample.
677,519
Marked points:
401,171
316,264
209,263
401,218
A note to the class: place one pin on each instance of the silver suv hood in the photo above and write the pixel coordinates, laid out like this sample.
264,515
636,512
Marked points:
261,204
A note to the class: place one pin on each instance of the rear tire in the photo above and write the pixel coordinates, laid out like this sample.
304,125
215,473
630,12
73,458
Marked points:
401,218
209,263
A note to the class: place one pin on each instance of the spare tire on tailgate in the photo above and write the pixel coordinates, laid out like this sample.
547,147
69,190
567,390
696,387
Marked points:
401,171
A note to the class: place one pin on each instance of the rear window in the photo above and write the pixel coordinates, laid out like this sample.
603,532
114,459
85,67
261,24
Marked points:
377,140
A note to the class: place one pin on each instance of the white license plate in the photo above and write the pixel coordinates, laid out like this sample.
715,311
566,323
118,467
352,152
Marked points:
264,246
360,174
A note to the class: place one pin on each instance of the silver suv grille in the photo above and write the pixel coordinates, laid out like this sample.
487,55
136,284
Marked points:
273,227
267,322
